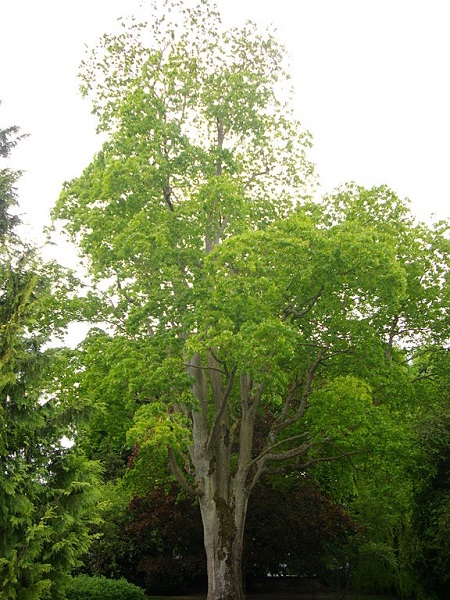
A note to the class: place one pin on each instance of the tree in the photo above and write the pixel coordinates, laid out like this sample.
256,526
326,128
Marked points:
299,529
429,548
409,385
225,303
46,489
8,178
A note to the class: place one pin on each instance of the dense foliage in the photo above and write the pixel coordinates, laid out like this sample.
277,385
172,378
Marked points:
248,331
47,491
267,379
431,514
83,587
156,540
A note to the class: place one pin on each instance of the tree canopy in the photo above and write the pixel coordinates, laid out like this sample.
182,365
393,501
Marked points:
228,298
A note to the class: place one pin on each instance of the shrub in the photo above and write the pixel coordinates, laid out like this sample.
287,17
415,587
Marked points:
84,587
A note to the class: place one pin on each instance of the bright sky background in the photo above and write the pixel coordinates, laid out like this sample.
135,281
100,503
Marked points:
371,78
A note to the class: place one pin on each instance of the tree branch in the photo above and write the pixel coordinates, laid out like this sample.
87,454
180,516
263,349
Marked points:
255,175
178,473
283,423
289,310
167,193
222,408
392,332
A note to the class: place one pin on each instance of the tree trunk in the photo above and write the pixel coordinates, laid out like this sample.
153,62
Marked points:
223,537
223,492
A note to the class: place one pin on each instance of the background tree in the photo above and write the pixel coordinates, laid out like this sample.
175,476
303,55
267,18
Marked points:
46,489
224,303
428,548
295,529
407,386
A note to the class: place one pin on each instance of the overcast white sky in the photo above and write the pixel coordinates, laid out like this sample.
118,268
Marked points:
371,76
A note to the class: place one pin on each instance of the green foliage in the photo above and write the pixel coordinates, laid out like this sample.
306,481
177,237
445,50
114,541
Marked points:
422,251
376,568
187,155
47,491
9,138
342,406
84,587
154,541
431,515
232,301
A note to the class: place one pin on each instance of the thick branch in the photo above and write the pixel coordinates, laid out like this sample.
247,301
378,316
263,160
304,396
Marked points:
250,398
255,175
283,423
220,140
200,387
312,461
288,454
199,456
209,368
220,410
178,473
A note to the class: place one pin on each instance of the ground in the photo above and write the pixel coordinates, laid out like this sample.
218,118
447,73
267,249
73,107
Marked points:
294,596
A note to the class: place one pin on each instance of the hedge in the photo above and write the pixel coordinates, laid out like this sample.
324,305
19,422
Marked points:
83,587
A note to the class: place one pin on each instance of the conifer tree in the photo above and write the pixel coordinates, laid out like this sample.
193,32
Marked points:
47,490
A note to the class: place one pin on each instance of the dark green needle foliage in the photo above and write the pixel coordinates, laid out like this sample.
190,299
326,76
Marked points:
46,488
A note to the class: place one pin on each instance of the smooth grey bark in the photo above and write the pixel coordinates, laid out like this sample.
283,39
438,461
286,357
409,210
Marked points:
225,464
223,492
223,527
